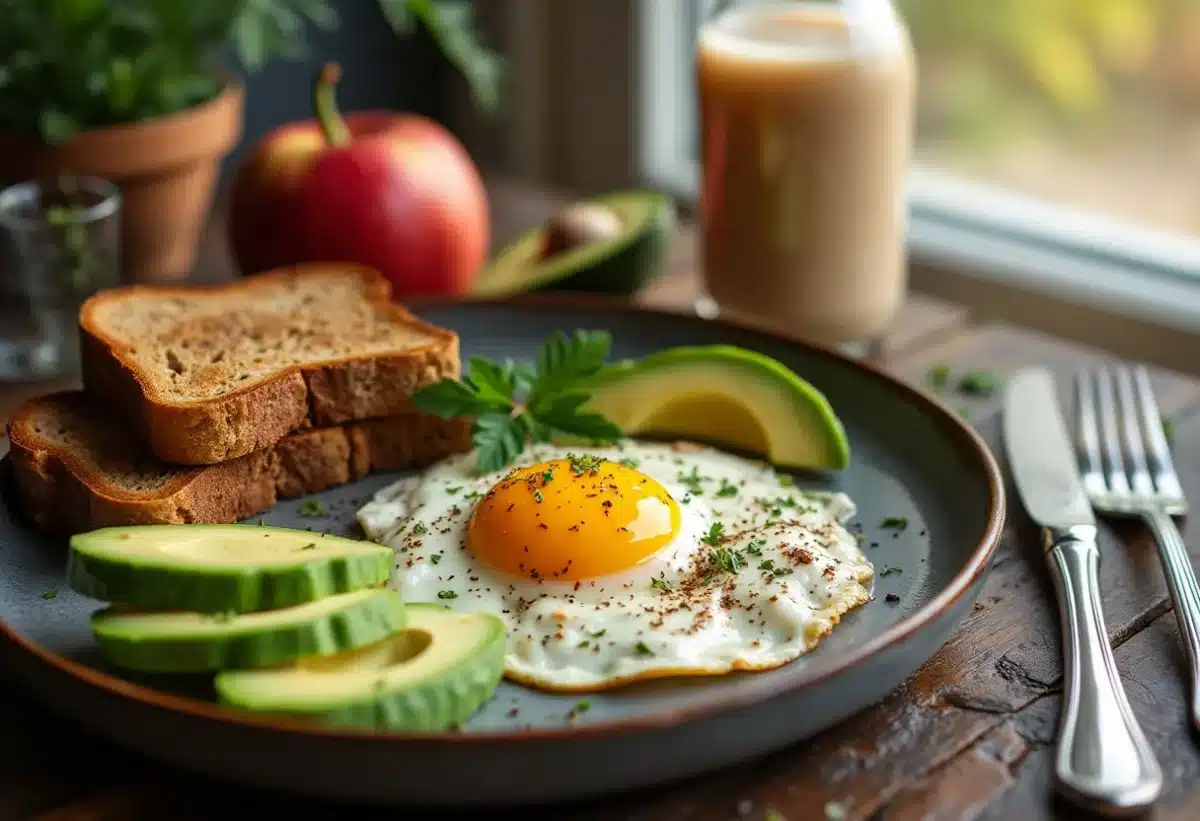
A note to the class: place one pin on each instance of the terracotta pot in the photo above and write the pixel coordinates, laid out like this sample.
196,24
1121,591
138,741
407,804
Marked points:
166,169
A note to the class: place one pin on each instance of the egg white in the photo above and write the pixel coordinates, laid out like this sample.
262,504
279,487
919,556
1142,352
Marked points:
788,571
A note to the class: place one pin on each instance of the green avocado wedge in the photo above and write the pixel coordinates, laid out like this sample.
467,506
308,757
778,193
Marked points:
724,395
179,642
432,675
617,264
220,568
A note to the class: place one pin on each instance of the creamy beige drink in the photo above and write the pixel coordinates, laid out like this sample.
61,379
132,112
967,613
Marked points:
806,114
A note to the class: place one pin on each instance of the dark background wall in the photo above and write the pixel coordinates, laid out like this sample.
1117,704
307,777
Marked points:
379,70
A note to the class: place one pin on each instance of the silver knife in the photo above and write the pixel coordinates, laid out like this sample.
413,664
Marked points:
1103,761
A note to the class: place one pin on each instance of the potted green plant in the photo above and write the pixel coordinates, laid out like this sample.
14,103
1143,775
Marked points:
137,92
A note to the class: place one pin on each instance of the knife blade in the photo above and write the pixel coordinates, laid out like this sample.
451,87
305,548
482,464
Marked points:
1103,761
1040,454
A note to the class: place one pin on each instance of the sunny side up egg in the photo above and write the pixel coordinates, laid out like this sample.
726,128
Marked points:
637,561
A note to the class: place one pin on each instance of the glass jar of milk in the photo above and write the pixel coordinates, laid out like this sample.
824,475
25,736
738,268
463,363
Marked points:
806,115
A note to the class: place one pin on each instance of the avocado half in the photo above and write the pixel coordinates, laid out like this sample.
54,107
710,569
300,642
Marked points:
617,265
724,395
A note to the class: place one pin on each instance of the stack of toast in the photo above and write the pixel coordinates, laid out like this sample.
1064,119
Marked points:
208,404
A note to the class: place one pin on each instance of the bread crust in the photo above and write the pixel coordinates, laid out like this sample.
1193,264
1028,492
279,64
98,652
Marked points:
64,494
250,418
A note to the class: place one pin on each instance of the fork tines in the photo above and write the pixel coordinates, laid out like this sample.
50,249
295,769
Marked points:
1123,449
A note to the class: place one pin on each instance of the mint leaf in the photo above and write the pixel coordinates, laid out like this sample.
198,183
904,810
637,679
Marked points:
499,438
449,398
564,361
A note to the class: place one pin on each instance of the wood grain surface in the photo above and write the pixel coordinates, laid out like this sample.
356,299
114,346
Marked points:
969,737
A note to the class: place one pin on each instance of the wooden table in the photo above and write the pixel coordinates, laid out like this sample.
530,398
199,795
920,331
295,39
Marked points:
969,737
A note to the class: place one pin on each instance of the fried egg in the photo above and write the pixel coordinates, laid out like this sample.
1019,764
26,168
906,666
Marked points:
636,561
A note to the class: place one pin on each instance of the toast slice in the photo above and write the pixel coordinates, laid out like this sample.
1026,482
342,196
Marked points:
77,468
205,374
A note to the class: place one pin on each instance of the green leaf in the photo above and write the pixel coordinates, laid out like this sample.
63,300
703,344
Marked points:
564,361
56,126
449,398
499,439
493,384
562,413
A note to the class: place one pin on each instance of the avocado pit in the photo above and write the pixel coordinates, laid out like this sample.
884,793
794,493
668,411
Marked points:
580,224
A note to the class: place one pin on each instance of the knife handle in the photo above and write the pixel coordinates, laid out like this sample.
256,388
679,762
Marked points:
1103,762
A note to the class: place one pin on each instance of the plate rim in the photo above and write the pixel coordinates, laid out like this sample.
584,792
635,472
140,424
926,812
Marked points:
964,436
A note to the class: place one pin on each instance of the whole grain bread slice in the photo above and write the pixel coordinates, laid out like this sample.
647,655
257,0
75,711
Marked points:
77,468
205,374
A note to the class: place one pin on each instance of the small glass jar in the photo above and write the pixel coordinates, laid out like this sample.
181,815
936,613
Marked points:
806,120
59,244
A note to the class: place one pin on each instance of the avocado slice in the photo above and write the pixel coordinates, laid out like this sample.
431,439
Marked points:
220,568
612,257
431,676
178,642
726,395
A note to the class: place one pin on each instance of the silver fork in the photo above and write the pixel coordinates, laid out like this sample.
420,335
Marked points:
1127,471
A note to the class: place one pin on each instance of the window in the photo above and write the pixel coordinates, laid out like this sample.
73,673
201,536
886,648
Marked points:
1058,144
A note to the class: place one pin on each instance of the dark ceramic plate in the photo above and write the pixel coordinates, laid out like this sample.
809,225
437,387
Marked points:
911,458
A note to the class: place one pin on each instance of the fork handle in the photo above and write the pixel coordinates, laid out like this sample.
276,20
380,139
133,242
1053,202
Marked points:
1103,761
1185,594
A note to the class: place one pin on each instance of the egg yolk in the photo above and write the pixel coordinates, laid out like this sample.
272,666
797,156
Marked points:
572,519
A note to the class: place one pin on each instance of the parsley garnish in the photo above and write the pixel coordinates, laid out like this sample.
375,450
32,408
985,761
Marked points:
978,383
551,406
584,464
313,507
727,489
766,564
715,531
731,561
630,463
642,650
420,529
453,491
538,497
660,584
692,481
473,495
49,594
598,635
895,522
435,558
547,477
447,594
755,547
585,643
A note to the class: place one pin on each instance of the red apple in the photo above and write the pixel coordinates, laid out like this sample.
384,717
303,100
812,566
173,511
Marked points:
396,192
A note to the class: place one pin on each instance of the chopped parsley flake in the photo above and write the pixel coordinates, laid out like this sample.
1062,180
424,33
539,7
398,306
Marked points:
660,584
49,594
731,561
599,634
435,558
453,491
473,495
420,529
585,464
630,463
895,523
715,531
313,507
585,643
538,497
755,547
547,477
939,376
727,489
692,481
642,650
447,594
978,383
766,564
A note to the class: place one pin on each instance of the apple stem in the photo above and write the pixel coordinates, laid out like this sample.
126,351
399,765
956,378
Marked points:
332,125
